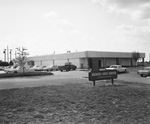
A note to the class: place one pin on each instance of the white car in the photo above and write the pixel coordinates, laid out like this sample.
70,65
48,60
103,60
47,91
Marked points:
35,67
145,72
39,68
119,68
9,69
51,68
1,68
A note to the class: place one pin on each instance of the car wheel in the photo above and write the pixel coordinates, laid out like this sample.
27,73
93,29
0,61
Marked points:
143,75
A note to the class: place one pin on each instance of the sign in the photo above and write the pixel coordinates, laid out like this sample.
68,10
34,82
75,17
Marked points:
102,75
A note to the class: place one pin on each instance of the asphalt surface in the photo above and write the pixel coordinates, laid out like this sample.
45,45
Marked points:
60,78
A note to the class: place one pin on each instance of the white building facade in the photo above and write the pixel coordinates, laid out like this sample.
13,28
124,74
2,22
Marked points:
88,59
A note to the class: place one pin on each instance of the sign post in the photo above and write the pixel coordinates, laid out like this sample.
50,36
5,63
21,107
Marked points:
102,75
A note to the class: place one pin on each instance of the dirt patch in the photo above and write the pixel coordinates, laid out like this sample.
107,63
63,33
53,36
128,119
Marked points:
124,103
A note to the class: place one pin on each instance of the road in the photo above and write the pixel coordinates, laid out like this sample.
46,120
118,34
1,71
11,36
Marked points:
60,78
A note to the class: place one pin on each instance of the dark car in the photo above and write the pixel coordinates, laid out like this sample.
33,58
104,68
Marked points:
67,67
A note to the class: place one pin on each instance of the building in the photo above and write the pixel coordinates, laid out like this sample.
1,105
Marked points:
88,59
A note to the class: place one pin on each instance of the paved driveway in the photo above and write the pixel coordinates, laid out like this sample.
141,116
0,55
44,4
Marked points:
60,78
133,77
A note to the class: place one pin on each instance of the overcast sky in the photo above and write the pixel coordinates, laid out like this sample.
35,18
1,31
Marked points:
45,26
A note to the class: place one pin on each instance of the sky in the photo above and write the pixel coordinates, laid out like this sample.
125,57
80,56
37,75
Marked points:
46,27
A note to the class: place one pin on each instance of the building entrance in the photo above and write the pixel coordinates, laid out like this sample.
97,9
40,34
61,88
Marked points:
95,64
99,64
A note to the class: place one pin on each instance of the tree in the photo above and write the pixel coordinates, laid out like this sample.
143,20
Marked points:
21,60
11,63
135,56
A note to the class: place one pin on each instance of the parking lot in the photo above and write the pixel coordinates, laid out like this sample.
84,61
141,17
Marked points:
60,78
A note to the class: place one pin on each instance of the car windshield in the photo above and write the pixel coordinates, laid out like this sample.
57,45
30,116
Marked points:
68,63
35,66
113,66
50,66
147,68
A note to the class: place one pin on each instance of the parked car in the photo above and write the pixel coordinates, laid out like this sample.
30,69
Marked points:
35,67
145,72
119,68
8,69
1,68
17,69
39,68
67,67
51,68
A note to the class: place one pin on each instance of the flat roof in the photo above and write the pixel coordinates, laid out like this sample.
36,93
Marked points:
87,54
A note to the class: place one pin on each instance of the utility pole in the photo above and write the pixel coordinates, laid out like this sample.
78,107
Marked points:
10,53
15,54
4,55
7,54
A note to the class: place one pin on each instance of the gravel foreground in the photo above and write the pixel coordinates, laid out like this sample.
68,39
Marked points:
124,103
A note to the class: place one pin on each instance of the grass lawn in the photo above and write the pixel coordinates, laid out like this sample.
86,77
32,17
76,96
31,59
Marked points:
125,103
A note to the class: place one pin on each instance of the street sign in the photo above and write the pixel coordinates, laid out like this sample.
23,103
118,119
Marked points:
102,75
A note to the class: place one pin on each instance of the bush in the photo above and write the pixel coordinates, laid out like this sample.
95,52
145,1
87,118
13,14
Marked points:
4,63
